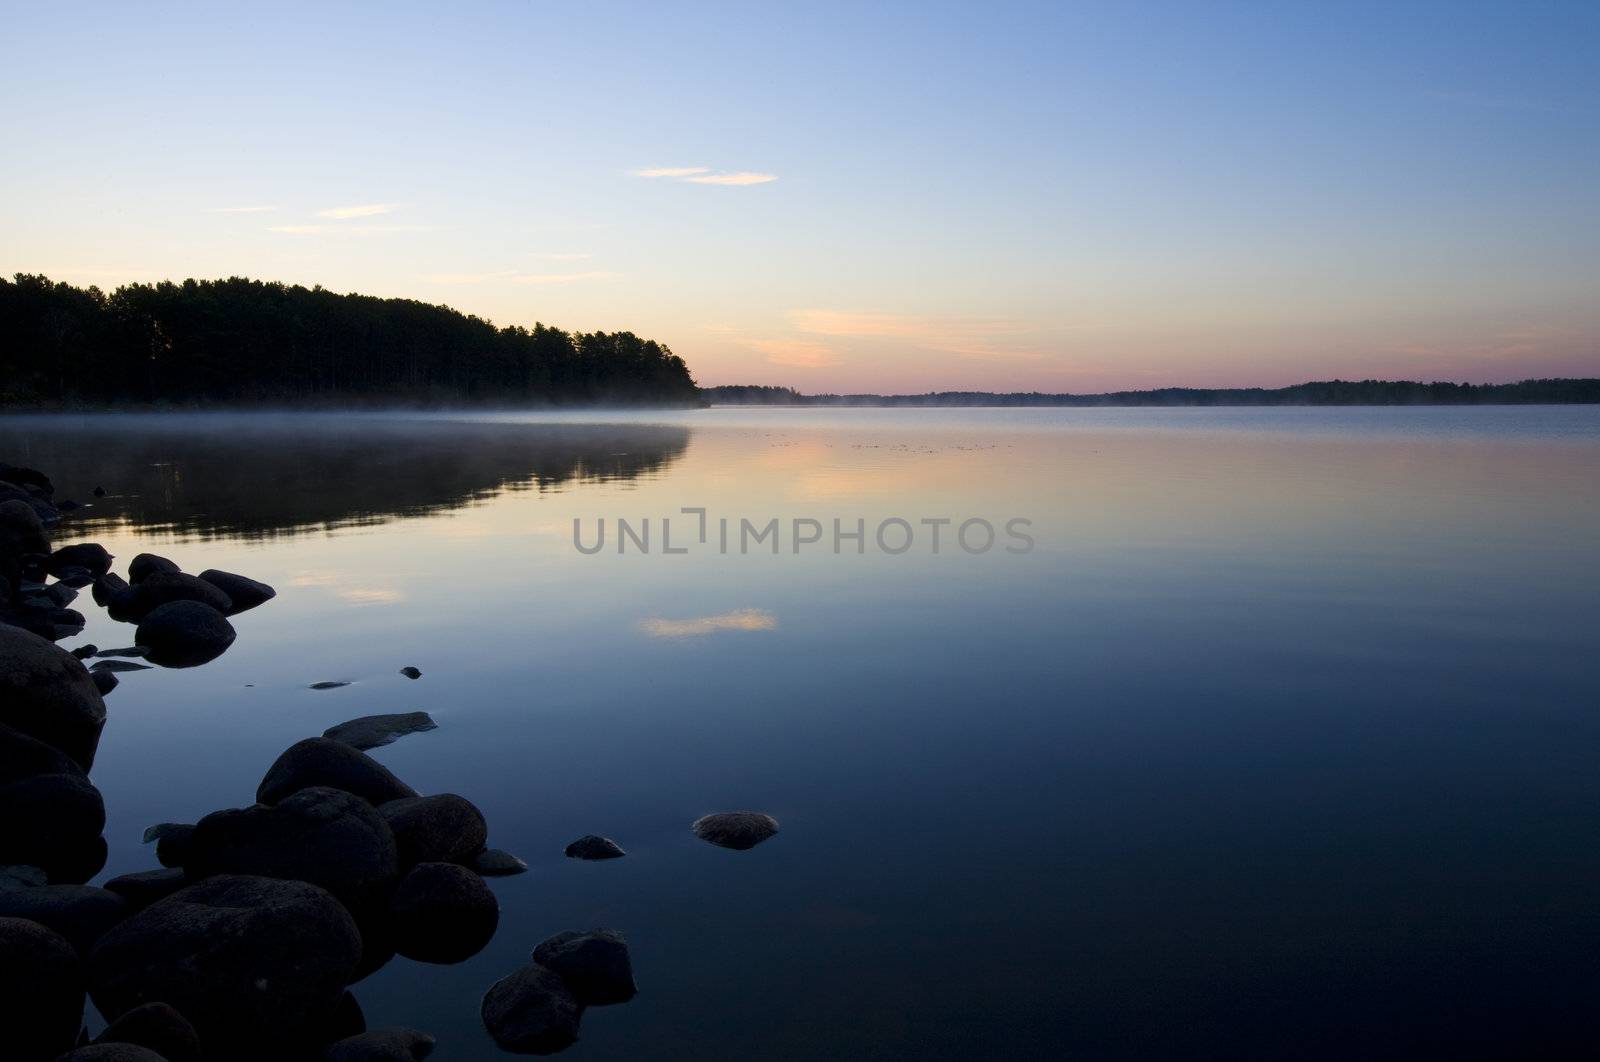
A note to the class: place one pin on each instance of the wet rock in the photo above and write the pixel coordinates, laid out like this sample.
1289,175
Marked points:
255,964
444,828
245,593
41,986
145,887
372,731
592,846
185,634
53,821
114,595
156,1027
496,863
118,665
328,685
104,681
395,1044
442,913
147,564
75,578
80,913
323,761
531,1012
164,588
738,830
411,672
87,555
325,836
47,694
595,965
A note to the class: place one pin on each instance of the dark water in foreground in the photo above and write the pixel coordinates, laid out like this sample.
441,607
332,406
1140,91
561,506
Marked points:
1281,743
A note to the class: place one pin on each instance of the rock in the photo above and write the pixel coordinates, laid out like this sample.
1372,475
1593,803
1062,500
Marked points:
118,665
147,564
114,595
41,983
21,530
161,829
372,731
47,694
394,1044
495,863
411,672
325,836
164,588
156,1027
88,555
327,685
255,964
245,593
443,913
75,577
80,913
323,761
53,821
593,847
131,650
23,476
531,1012
98,492
67,505
172,847
111,1053
84,652
595,965
104,681
23,757
145,887
444,828
738,830
16,876
185,634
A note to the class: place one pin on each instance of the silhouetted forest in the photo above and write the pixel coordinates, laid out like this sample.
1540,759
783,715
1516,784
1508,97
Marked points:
1327,393
247,342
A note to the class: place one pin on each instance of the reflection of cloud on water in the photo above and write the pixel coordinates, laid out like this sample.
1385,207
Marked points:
744,619
346,589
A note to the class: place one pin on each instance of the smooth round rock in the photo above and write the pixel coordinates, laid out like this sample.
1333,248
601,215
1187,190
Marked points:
531,1012
442,913
161,588
244,593
594,964
443,828
323,761
593,846
145,565
89,555
23,757
47,693
41,977
54,822
184,633
395,1044
255,964
156,1027
738,830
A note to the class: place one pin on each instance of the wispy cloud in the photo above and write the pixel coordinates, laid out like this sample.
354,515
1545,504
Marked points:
796,353
240,210
745,619
512,276
742,177
366,210
347,230
672,171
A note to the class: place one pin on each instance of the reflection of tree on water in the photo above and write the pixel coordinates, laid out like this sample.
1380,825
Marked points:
262,476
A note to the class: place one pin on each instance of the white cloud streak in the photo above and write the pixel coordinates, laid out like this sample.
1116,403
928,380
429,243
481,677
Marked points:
366,210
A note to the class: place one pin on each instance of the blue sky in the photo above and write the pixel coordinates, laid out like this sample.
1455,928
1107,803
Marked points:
885,197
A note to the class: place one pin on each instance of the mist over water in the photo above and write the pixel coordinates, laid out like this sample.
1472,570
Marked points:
1277,744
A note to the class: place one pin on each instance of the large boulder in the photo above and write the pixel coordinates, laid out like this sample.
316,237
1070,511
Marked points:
325,836
156,1027
184,634
257,965
54,822
395,1044
47,693
41,984
531,1012
443,828
443,913
145,565
243,593
323,761
91,556
595,965
80,913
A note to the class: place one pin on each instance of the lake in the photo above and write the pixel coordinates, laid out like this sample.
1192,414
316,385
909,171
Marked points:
1246,733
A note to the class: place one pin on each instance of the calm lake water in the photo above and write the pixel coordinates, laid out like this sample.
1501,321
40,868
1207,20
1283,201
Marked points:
1280,742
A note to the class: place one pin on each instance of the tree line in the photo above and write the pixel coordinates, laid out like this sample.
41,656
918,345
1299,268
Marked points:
249,342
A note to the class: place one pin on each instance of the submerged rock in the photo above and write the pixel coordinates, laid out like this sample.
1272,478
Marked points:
595,965
118,665
442,913
185,634
328,684
245,593
593,846
443,828
531,1012
46,693
496,863
155,1027
41,984
323,761
255,964
91,556
411,672
395,1044
137,651
373,731
147,564
738,830
80,913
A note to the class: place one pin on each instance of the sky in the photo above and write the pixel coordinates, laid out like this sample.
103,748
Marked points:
854,197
